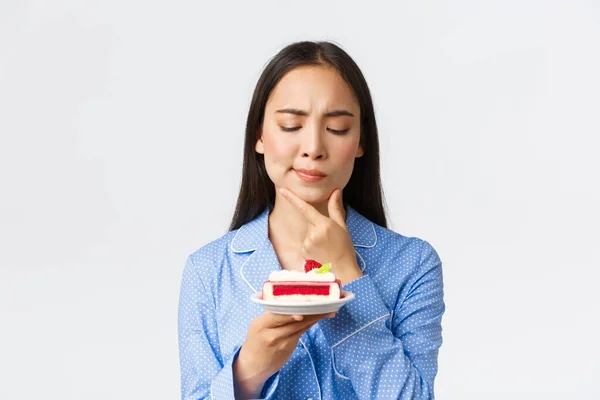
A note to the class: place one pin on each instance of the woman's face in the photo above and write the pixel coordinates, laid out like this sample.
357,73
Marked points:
311,133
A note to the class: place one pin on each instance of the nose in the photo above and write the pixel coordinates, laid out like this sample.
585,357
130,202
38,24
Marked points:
313,144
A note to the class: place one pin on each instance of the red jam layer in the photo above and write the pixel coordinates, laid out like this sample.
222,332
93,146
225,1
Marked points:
302,288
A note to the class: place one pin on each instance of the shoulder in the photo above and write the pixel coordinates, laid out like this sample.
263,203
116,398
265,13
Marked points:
397,242
396,263
398,254
210,257
382,246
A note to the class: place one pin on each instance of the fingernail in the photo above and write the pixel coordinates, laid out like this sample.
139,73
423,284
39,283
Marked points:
282,192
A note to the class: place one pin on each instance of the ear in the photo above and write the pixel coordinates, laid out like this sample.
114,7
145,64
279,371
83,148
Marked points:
359,152
259,147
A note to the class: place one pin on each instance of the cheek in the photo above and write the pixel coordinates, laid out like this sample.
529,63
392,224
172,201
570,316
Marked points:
345,157
279,153
275,149
346,153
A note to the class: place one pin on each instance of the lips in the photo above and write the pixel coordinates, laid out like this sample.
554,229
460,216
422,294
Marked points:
312,172
310,175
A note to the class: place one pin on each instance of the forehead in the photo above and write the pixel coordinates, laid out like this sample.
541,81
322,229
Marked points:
310,87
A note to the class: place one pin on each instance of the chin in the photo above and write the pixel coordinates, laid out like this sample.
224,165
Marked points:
313,195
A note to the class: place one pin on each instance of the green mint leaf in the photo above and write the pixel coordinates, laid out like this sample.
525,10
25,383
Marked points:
323,269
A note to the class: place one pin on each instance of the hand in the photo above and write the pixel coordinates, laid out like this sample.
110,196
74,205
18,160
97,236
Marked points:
270,341
328,239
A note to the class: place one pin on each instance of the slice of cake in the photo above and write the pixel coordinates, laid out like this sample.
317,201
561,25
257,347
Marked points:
315,284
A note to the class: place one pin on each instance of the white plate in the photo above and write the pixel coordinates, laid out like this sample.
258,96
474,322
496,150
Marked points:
303,308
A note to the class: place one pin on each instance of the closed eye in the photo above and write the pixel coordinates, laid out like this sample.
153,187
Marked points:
296,128
338,132
290,129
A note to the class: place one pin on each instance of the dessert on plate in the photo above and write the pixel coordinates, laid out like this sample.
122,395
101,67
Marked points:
317,283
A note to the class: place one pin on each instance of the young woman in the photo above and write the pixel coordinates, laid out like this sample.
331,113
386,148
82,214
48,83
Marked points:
311,190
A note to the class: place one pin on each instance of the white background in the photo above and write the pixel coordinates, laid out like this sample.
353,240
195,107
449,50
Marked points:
122,126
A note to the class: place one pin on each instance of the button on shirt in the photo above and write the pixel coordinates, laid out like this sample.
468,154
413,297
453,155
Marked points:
382,345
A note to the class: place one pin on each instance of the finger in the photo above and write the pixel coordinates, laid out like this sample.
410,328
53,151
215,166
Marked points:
335,206
294,337
294,327
275,320
306,248
301,332
308,211
317,318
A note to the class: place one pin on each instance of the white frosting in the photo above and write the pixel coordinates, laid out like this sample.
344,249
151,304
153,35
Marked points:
311,276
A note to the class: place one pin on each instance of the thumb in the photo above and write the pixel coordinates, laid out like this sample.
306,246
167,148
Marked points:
335,207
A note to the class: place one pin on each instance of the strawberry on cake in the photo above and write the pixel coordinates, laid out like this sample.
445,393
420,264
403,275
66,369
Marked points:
315,284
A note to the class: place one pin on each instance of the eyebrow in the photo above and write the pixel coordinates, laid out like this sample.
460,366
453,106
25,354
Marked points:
334,113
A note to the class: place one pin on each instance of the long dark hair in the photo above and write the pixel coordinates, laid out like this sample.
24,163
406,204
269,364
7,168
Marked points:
363,192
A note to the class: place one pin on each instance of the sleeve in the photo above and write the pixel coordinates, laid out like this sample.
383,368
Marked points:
204,372
390,357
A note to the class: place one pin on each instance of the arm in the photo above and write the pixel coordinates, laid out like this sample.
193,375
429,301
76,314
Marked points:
397,358
204,372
